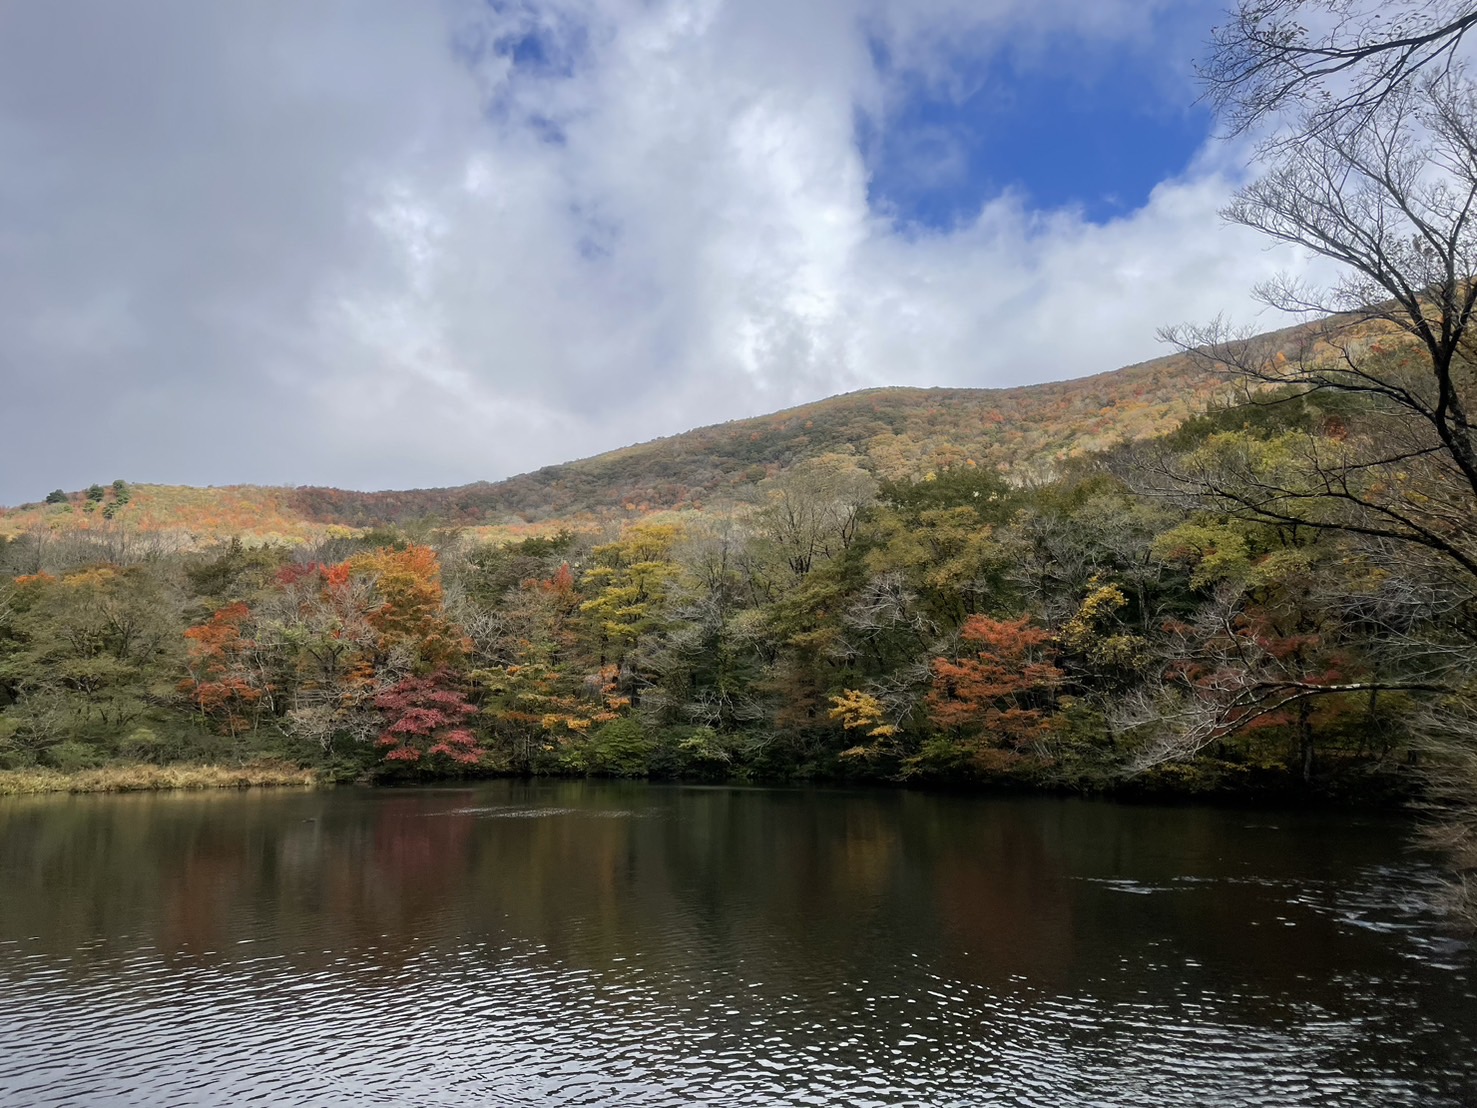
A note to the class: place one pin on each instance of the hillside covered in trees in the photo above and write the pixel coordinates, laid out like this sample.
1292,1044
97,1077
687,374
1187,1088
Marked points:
896,433
901,433
899,585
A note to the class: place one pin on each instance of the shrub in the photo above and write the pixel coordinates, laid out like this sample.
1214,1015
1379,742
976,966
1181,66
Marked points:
619,749
69,757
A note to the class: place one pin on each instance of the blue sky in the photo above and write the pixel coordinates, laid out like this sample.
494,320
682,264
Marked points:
1086,128
400,243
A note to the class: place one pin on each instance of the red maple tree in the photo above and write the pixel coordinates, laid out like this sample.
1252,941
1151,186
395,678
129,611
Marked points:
426,718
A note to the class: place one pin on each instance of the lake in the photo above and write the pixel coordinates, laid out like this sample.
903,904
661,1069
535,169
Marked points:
563,943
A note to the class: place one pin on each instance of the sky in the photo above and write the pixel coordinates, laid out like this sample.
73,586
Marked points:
404,243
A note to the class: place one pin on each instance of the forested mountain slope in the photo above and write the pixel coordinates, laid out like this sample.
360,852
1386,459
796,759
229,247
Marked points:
904,432
900,432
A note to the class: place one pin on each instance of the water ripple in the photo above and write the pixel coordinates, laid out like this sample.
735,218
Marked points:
725,950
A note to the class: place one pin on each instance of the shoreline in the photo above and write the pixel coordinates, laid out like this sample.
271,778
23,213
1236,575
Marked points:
152,778
200,776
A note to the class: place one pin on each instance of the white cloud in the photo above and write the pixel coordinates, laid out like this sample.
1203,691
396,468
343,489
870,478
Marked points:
354,244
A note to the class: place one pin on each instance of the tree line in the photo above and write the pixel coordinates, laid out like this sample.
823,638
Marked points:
954,629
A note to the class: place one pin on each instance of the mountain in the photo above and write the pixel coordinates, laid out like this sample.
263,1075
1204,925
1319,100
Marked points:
901,432
904,432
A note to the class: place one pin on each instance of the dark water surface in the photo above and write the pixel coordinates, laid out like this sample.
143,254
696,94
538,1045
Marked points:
582,943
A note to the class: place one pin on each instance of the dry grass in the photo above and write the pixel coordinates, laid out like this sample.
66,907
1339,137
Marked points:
139,778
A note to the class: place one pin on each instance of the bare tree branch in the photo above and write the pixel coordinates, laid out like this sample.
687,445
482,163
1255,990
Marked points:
1330,61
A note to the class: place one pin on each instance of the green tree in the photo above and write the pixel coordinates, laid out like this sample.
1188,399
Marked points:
86,658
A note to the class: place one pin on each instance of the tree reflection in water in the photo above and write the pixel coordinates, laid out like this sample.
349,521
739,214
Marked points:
715,942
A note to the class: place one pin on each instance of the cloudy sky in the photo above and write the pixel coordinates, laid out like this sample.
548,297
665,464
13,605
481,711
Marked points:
393,243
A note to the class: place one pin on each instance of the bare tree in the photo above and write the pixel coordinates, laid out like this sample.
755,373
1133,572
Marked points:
813,509
1392,200
1220,674
1327,61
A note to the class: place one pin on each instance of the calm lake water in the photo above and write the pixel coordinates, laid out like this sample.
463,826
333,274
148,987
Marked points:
589,943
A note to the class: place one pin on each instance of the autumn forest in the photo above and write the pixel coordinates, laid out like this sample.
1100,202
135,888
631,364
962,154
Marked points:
1116,623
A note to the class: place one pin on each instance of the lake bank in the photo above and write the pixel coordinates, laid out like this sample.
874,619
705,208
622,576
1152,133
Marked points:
1269,791
152,778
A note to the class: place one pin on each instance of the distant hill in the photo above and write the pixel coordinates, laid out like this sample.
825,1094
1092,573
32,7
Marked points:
188,514
903,432
900,432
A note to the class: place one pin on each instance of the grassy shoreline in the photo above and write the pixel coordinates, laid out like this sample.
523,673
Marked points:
148,778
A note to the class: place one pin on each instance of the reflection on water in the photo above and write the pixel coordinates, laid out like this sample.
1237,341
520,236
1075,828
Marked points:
583,943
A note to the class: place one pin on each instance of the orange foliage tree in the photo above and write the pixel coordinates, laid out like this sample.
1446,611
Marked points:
411,614
999,695
223,683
